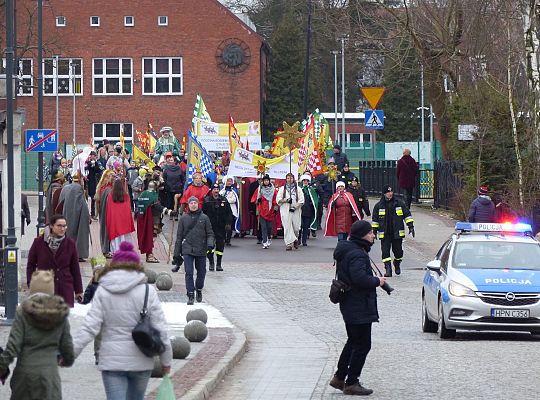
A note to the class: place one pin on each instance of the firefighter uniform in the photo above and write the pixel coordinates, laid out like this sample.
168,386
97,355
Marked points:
220,214
389,218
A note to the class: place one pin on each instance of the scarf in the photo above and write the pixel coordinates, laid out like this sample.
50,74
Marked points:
291,188
268,192
54,242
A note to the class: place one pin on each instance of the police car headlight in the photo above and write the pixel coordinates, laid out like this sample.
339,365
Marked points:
459,290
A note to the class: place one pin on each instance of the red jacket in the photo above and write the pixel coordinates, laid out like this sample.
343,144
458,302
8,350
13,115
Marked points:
342,212
64,264
406,172
265,209
198,191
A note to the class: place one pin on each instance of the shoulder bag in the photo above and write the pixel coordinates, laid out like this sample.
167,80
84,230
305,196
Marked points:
146,337
338,290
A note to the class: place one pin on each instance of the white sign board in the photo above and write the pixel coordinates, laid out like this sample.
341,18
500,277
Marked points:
467,131
394,151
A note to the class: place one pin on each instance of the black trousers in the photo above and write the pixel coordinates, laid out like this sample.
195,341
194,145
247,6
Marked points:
408,192
228,232
397,248
354,353
218,250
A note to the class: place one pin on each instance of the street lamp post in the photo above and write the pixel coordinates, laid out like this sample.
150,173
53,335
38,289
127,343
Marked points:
308,50
41,214
343,38
336,134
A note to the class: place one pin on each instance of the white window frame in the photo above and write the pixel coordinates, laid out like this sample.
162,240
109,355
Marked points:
71,77
166,23
170,75
59,18
20,76
104,76
98,20
126,23
112,138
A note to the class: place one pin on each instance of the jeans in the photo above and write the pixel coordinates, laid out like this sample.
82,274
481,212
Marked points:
125,385
266,229
306,222
342,236
354,354
200,266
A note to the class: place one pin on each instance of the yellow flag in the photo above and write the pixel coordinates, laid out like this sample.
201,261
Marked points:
139,155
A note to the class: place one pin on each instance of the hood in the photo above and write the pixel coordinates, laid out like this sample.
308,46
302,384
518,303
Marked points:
121,280
484,200
173,168
499,280
45,311
343,248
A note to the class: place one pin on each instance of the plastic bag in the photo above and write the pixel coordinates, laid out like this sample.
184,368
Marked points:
166,389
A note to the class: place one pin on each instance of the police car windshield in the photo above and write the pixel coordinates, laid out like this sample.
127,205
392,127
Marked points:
496,255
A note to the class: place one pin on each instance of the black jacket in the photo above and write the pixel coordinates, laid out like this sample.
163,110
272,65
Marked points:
361,200
354,268
324,188
220,213
389,217
340,159
346,177
198,240
174,178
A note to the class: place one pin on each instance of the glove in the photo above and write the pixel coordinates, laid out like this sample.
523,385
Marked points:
178,260
173,213
292,209
411,230
3,376
289,201
210,248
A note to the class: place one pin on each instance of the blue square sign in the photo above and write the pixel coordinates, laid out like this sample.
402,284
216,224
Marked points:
37,140
374,119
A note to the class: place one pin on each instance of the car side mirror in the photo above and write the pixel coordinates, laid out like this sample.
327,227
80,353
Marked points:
434,265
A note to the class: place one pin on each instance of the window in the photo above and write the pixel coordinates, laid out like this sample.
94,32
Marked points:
129,20
163,20
60,20
94,21
111,132
23,74
162,76
112,76
65,78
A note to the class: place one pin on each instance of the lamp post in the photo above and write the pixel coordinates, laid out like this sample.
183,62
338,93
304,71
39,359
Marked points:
41,214
308,50
336,134
343,38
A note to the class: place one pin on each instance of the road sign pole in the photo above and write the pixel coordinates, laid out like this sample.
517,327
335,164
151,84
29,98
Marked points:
41,213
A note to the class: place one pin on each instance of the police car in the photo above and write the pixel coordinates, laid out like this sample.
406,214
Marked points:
485,277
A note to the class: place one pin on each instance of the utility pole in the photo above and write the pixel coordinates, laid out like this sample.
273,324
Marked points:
308,50
41,214
336,133
343,38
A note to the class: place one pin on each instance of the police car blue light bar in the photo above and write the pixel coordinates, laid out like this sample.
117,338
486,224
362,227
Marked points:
493,227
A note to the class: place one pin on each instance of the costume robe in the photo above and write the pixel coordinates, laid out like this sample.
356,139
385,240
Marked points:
330,228
231,194
291,220
103,235
75,209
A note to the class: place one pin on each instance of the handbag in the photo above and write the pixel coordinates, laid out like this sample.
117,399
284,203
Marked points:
338,290
146,337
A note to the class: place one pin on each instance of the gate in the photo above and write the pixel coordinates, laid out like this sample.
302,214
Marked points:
448,181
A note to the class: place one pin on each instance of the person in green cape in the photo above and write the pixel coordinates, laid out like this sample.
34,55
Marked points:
309,209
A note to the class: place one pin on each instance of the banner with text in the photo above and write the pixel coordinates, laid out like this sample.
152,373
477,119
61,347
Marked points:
246,164
215,137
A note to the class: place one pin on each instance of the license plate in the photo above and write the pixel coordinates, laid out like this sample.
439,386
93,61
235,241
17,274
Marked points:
508,313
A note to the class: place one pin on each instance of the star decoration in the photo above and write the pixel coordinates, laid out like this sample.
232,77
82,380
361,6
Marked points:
261,167
332,173
290,134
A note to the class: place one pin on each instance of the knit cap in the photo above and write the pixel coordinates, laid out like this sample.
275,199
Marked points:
361,228
125,255
42,282
340,183
483,191
387,189
193,198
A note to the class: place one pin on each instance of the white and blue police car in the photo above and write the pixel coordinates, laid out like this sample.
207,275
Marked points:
486,276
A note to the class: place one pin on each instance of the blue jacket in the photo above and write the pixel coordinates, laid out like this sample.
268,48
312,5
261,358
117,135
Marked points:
353,268
482,210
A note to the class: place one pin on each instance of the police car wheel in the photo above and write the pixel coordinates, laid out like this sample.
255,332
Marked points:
428,325
444,333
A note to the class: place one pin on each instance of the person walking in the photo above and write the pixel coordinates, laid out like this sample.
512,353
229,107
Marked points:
309,209
360,197
342,212
120,226
132,174
217,208
103,190
53,194
94,168
290,199
197,188
358,308
56,252
390,215
194,239
346,175
231,194
340,158
482,208
264,199
174,179
115,310
406,173
39,339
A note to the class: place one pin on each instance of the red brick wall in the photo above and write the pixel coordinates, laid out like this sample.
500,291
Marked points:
195,30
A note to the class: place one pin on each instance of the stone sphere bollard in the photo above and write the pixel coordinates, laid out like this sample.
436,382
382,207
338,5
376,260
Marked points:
164,282
180,347
195,331
156,372
197,314
151,275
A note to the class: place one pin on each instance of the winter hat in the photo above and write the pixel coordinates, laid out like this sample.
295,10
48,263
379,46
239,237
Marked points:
193,198
387,188
142,172
340,183
215,186
337,146
266,177
483,191
42,282
360,229
305,176
125,255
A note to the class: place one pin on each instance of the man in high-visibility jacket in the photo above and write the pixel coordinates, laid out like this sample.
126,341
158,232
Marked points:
389,218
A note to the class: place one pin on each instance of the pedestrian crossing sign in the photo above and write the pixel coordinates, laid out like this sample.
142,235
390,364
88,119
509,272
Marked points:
374,119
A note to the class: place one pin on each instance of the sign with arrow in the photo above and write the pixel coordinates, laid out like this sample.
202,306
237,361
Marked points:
373,95
38,140
374,119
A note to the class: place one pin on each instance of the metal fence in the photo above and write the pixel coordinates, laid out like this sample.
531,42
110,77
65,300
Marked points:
448,180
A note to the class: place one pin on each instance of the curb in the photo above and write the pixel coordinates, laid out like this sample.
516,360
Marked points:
204,387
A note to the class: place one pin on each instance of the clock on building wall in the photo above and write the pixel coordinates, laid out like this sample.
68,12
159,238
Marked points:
233,55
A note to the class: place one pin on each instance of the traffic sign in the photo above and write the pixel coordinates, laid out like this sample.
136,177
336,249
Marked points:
373,95
374,119
38,140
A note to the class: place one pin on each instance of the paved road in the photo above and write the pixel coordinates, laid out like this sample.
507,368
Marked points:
295,334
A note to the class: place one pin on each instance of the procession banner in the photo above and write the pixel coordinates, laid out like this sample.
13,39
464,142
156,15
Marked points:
247,164
215,136
139,155
198,159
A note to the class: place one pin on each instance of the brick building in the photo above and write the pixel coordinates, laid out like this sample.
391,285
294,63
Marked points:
125,62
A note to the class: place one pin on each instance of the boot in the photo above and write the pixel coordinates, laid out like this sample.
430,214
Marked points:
397,267
218,262
337,383
176,268
210,257
191,299
199,295
357,390
388,268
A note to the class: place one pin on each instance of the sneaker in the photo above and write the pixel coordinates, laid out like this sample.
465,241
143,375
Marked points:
265,245
269,242
219,268
191,299
337,383
176,268
357,390
199,296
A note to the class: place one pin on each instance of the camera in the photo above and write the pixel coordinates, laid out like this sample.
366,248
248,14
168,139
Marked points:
387,288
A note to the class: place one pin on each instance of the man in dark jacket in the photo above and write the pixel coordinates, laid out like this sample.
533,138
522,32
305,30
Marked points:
389,216
346,175
194,239
406,172
218,209
174,179
482,208
94,168
360,197
359,308
340,158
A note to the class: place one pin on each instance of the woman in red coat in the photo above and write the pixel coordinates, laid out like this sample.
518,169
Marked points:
342,212
265,201
119,220
57,253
